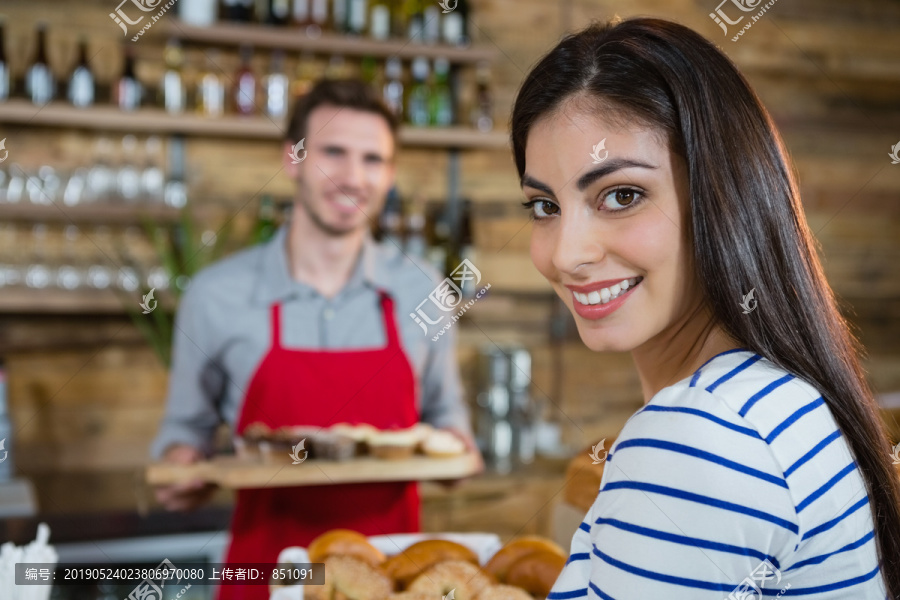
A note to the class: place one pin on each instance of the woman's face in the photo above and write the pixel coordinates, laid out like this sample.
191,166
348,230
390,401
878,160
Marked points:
610,230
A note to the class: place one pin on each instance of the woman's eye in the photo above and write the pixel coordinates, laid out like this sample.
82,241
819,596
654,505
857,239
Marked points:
621,198
541,209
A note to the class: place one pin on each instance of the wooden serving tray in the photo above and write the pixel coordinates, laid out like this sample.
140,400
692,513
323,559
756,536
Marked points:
236,473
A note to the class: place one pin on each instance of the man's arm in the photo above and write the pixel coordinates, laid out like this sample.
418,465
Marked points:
195,381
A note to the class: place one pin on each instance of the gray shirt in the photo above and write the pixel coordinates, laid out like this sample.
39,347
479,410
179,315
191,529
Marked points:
223,331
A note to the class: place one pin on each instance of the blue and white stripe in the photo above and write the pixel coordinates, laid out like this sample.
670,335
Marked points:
737,464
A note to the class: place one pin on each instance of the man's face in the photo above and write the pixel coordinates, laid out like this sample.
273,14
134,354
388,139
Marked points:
344,179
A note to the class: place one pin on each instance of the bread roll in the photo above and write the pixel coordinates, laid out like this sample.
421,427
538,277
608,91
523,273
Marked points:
344,542
407,565
465,579
516,549
536,572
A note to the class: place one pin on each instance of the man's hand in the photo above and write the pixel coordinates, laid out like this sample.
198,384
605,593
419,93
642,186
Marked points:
184,496
470,447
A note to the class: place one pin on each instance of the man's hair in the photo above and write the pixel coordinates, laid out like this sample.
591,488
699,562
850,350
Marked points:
341,93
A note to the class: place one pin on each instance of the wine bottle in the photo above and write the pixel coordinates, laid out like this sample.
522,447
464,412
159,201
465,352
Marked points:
5,79
128,88
245,87
318,12
482,113
174,97
454,24
415,244
419,93
210,89
240,11
277,87
357,13
380,20
440,110
431,23
279,12
301,14
415,19
265,226
39,85
339,10
81,83
393,86
304,75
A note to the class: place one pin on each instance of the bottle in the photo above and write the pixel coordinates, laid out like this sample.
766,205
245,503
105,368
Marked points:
440,109
339,10
173,83
81,83
390,222
101,178
210,89
4,63
240,11
199,13
437,232
318,12
39,83
413,12
128,88
128,178
301,13
393,86
482,113
304,75
368,71
265,226
398,19
431,24
380,20
455,24
279,12
153,179
357,12
419,94
276,87
415,244
245,87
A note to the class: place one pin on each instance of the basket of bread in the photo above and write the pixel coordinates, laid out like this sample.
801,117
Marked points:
426,567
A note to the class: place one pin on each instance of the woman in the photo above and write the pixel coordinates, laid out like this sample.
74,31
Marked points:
666,218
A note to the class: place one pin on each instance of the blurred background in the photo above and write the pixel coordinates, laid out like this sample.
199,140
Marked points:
127,165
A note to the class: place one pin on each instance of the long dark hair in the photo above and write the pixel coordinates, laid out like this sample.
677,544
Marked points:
747,221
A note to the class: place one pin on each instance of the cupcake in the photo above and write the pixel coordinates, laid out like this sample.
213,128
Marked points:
329,445
247,444
278,448
360,435
443,444
394,444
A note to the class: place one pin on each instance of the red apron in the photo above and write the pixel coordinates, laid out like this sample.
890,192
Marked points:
323,387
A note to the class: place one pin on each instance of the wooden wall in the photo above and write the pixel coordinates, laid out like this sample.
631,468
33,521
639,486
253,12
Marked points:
86,395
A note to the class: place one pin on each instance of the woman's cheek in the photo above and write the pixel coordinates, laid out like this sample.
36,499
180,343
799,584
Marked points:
542,252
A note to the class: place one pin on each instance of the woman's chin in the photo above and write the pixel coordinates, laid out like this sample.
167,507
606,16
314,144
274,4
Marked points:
603,341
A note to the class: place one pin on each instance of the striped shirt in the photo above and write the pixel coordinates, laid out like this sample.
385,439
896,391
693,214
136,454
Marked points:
739,464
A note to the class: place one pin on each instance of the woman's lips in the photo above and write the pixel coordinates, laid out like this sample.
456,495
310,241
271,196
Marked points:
600,302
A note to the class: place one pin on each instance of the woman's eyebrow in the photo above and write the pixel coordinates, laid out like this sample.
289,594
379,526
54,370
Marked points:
613,165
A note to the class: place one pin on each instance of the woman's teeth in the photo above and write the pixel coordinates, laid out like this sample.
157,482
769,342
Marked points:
604,295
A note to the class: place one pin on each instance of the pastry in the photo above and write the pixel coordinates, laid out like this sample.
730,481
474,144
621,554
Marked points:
246,445
360,434
346,543
353,579
410,596
278,447
441,444
503,592
516,549
410,563
536,572
465,578
394,444
329,445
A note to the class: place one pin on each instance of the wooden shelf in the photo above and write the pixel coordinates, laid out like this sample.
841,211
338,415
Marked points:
34,301
100,213
158,121
293,38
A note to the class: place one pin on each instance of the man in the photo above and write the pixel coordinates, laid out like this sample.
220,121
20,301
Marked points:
311,328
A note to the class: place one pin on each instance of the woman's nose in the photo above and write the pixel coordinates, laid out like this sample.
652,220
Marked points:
579,243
